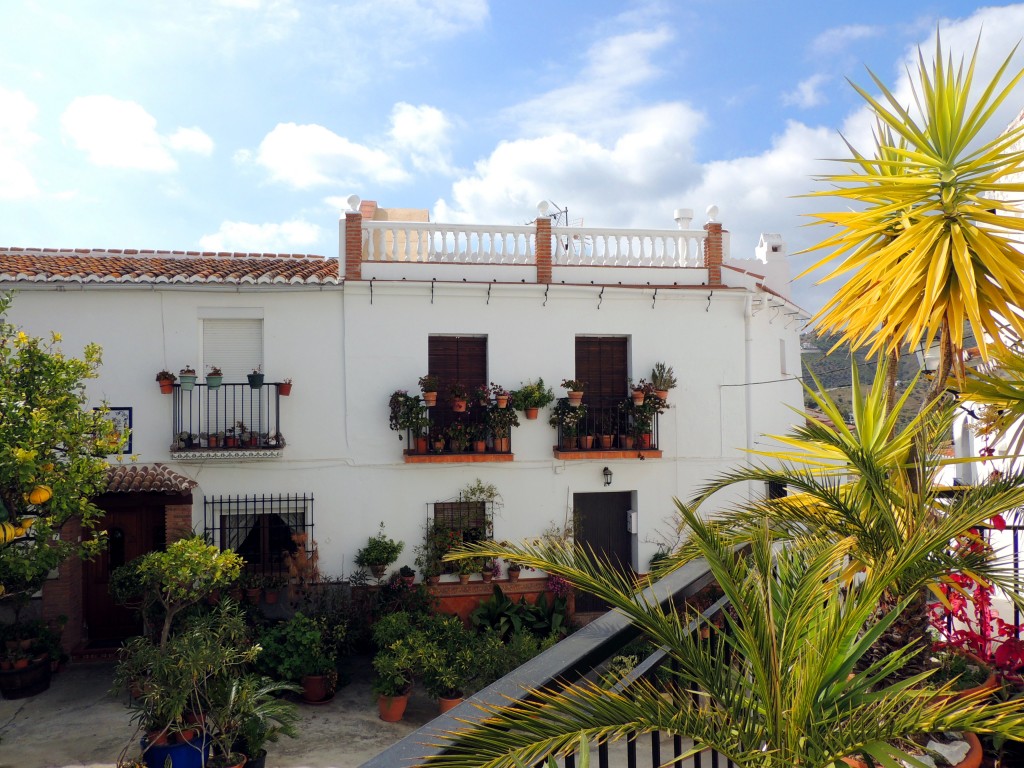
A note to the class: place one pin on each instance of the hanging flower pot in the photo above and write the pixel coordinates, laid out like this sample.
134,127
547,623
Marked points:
214,377
285,388
638,397
255,379
531,413
430,399
502,401
459,404
575,397
188,379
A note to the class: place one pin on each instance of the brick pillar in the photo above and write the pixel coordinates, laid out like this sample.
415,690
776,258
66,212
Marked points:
713,252
63,596
178,521
543,246
353,245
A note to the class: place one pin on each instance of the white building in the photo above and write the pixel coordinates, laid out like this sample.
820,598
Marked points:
504,304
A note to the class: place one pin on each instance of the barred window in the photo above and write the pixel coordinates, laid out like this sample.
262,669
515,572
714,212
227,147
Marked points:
264,530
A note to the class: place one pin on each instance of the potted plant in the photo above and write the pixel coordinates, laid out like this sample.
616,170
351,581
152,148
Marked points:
395,666
458,394
429,553
380,552
256,377
166,381
408,575
568,418
446,659
214,377
428,386
298,651
248,713
500,394
459,436
531,397
407,412
663,378
188,377
482,395
500,422
606,431
574,388
284,389
639,390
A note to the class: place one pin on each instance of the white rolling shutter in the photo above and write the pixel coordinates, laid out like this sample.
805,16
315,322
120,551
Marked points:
234,346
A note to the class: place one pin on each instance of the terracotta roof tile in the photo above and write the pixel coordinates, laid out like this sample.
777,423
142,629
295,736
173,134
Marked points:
83,265
153,478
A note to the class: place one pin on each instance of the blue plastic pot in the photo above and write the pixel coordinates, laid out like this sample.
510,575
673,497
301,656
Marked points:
191,754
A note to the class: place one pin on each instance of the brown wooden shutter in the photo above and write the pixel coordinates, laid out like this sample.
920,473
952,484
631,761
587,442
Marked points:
601,363
458,359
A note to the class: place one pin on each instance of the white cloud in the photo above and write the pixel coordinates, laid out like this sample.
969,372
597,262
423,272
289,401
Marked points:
832,40
305,156
191,140
807,93
612,70
16,141
121,134
423,133
284,237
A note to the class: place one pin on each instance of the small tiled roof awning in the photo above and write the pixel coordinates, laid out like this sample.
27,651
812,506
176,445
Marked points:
147,478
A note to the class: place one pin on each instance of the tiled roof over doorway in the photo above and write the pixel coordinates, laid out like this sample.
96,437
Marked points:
147,478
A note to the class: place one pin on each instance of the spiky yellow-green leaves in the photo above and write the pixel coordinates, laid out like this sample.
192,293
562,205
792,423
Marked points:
926,249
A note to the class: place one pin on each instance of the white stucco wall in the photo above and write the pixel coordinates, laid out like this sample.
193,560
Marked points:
346,355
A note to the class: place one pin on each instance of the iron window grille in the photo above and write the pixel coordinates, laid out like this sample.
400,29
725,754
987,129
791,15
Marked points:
461,522
264,530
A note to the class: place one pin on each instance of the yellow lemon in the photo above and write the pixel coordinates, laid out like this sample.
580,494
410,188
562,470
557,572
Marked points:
40,494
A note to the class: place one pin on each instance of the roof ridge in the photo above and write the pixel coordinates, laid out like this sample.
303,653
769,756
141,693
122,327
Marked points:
159,253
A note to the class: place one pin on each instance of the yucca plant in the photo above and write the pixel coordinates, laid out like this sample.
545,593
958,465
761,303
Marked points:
784,686
924,250
872,485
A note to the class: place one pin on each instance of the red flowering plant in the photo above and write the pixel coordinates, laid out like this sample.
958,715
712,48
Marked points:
968,623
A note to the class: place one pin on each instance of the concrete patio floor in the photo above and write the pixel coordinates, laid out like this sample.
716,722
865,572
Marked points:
78,723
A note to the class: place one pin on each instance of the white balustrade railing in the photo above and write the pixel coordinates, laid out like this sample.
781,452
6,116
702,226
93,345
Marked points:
578,246
454,243
404,241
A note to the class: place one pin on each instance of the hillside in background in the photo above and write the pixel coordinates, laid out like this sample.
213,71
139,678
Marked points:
833,371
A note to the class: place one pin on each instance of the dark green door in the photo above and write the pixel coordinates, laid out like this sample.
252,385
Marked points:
601,524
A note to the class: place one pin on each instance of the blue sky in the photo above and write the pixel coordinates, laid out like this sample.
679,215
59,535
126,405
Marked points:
244,124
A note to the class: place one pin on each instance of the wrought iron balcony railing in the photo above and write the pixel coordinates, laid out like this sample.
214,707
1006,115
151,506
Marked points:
610,425
226,420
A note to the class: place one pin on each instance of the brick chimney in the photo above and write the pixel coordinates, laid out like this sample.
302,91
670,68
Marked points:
543,246
353,245
713,249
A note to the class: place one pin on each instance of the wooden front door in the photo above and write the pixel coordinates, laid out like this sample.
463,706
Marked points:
133,529
601,524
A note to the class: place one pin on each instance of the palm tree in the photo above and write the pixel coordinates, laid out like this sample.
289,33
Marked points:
924,250
782,688
999,389
869,487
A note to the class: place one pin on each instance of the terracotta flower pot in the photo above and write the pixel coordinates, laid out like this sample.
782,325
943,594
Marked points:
586,442
445,703
430,399
662,394
392,708
166,386
433,580
531,413
502,444
513,574
575,398
463,578
502,401
645,440
459,404
422,444
606,441
479,446
316,688
284,388
638,397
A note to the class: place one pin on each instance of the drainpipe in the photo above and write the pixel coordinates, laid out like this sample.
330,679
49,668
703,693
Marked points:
748,390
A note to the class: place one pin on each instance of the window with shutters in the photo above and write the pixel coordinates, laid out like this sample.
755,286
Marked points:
234,346
602,364
479,429
231,418
610,423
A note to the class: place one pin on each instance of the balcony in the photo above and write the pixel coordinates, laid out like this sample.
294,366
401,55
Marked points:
608,429
458,437
227,422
